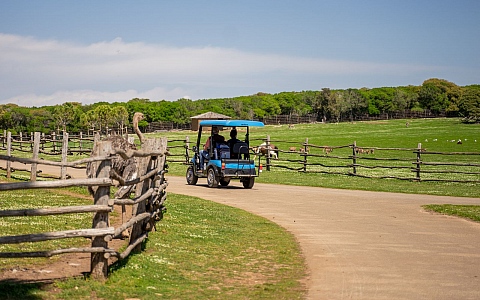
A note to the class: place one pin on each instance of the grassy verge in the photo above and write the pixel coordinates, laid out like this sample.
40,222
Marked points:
201,250
471,212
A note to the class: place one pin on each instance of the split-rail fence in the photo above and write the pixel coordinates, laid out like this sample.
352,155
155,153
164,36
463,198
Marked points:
411,164
147,204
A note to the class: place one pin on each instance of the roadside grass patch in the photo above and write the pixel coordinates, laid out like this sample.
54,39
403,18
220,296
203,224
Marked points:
471,212
204,250
201,250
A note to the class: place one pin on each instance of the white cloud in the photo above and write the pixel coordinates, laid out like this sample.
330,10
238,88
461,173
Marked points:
43,72
90,96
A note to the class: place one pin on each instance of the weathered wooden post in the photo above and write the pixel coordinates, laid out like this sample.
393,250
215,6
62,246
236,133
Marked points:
99,261
354,156
419,160
36,148
80,141
9,153
63,170
187,149
140,189
267,156
305,154
42,141
21,140
54,142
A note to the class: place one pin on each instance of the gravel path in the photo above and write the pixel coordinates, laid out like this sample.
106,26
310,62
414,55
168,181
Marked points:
363,245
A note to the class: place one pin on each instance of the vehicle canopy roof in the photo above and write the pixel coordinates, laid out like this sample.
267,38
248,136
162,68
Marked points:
231,123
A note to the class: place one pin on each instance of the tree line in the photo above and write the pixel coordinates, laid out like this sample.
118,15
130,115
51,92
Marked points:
439,96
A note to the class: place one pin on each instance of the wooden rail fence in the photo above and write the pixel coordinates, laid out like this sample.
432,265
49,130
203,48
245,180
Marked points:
147,203
413,164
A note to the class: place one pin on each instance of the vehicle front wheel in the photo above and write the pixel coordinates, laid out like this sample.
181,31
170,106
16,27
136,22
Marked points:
192,178
212,179
248,182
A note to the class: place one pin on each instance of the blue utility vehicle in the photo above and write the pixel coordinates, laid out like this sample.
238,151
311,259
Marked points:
222,161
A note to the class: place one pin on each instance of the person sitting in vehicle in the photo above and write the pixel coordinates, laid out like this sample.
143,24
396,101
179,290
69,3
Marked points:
232,141
212,141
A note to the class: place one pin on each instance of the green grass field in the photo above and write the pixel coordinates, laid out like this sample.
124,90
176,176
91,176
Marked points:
435,135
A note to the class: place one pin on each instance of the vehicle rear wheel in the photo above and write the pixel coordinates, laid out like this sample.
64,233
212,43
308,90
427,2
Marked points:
248,182
192,178
224,181
212,179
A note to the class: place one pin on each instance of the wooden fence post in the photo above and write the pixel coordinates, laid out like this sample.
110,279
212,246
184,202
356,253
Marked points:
42,144
36,148
63,170
54,142
80,141
305,154
268,153
187,149
354,156
419,160
143,167
9,153
99,262
21,140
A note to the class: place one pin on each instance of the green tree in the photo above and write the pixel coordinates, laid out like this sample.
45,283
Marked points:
103,116
119,118
439,95
67,114
469,103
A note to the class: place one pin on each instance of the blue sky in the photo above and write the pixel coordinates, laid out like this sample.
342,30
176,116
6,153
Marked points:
87,51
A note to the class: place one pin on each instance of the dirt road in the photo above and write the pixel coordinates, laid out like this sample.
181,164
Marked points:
363,245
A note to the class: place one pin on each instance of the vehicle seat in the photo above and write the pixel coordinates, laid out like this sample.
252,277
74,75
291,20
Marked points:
241,148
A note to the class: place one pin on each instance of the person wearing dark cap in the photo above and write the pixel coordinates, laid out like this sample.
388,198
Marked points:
232,141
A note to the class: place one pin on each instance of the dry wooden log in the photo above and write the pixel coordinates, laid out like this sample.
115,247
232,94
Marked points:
38,237
446,164
130,223
56,252
451,180
451,171
53,163
449,153
55,210
384,177
384,167
144,196
120,179
133,245
56,184
137,153
327,166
